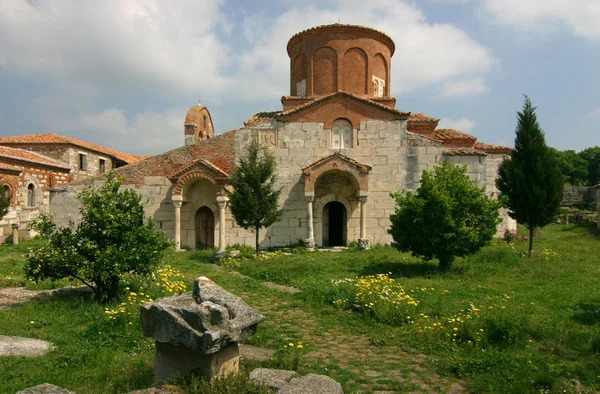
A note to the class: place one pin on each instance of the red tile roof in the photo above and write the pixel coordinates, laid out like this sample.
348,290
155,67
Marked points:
462,152
493,149
30,157
453,135
8,167
297,37
342,93
52,138
261,118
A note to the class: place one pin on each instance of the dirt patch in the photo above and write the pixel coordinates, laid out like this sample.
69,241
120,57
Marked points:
285,289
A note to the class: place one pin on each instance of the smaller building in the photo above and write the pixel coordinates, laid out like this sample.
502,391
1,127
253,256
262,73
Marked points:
27,177
84,158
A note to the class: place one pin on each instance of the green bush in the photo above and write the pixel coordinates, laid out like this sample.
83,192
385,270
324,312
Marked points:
110,240
447,217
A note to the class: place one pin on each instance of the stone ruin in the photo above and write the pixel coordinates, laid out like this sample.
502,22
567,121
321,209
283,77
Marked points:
198,331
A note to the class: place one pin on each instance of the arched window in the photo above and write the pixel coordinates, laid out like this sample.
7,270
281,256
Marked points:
341,134
6,191
31,195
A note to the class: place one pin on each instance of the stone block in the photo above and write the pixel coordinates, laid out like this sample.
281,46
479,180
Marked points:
171,360
274,379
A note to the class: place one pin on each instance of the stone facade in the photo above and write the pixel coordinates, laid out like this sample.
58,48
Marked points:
28,178
340,153
70,155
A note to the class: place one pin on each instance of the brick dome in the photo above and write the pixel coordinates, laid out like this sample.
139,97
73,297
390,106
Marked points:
325,59
198,124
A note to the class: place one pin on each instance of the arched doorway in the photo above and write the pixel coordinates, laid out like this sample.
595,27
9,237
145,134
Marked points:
205,228
334,224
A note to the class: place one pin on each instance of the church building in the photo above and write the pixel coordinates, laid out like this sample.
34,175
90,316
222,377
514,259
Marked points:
341,147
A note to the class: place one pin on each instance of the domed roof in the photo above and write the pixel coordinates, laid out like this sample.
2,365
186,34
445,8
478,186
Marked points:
338,28
193,115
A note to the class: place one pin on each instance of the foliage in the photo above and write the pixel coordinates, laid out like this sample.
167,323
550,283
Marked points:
43,224
592,158
573,167
4,202
254,200
385,299
542,340
531,179
110,240
448,216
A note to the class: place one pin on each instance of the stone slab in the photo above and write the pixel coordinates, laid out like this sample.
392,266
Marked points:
256,353
272,378
312,384
46,388
23,347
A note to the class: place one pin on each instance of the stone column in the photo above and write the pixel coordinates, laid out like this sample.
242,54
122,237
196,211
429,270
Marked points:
177,202
310,241
363,242
222,202
15,233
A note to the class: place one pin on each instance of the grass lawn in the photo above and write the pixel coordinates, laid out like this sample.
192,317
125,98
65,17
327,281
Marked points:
520,325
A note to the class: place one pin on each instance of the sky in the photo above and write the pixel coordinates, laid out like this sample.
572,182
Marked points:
123,73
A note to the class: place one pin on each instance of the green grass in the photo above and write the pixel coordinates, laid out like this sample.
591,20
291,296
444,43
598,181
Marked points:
547,335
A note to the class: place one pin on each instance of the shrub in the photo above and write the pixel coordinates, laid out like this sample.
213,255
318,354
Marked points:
448,216
110,240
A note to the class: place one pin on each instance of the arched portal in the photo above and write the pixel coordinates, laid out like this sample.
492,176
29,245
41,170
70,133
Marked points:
335,219
205,228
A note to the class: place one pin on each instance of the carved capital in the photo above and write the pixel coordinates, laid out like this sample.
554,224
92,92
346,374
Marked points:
363,199
177,201
310,196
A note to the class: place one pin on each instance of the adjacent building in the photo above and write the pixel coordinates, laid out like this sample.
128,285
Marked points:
31,165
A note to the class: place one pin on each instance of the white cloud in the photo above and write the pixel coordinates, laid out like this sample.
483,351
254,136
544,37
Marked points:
579,16
116,45
463,88
593,114
426,53
463,124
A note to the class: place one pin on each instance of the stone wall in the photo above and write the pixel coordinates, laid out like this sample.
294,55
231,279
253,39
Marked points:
583,197
20,211
69,155
397,159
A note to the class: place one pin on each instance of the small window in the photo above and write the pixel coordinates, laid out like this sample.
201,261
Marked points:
341,134
6,191
102,166
82,162
31,195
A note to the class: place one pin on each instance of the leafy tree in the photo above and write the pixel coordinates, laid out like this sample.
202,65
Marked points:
4,201
592,158
448,216
573,167
254,199
531,179
110,240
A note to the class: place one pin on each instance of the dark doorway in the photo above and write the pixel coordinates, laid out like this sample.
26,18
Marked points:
334,224
205,228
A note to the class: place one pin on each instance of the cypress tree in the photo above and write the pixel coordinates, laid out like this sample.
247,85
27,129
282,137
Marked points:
254,199
531,179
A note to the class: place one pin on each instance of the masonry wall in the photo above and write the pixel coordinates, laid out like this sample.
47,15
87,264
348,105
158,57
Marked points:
19,211
396,157
70,156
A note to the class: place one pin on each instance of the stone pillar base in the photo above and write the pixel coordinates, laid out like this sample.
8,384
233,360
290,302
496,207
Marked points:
171,360
363,244
310,243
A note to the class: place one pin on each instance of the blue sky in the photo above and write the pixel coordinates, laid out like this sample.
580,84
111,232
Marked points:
123,73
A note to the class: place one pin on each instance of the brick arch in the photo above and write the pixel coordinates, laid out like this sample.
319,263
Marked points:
12,186
325,71
358,172
354,67
192,175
